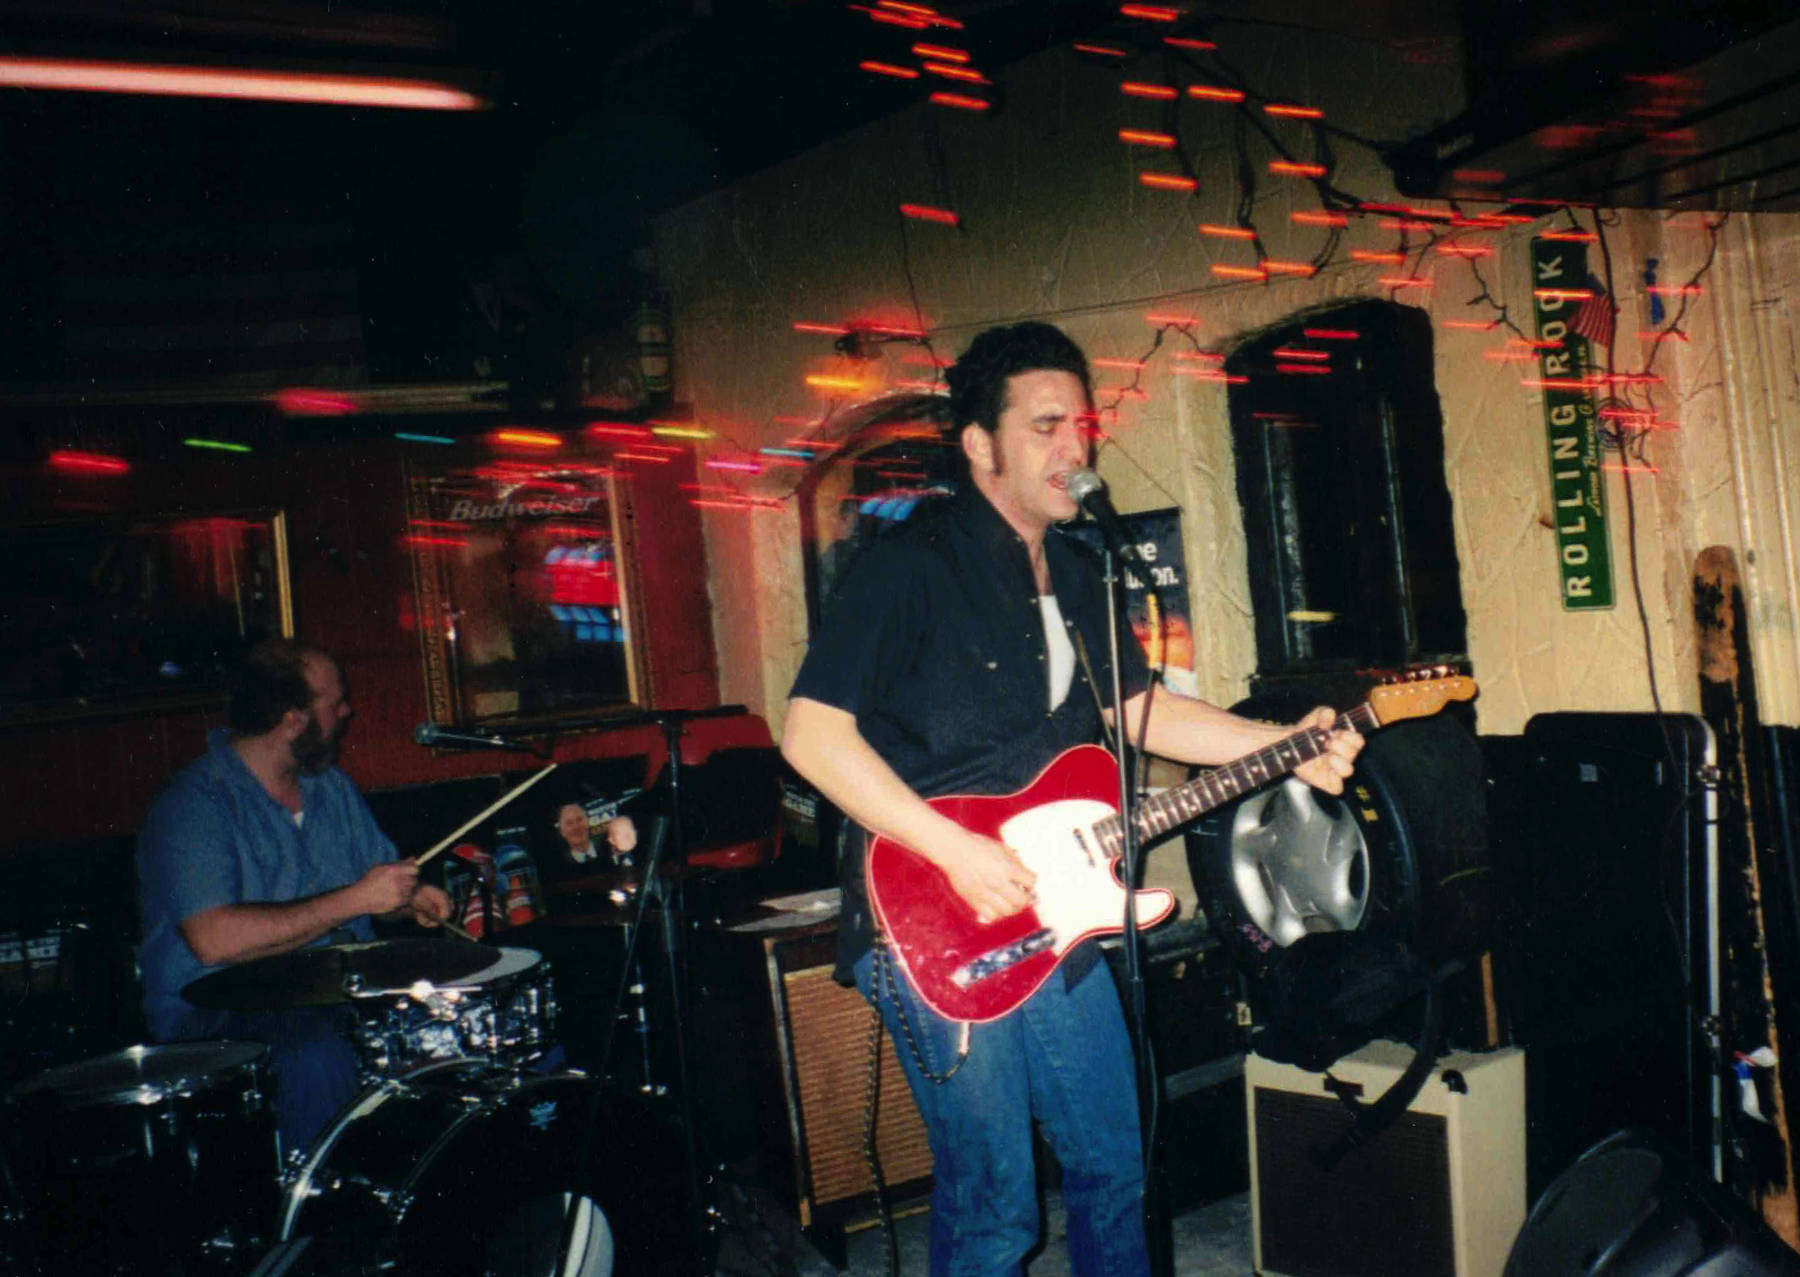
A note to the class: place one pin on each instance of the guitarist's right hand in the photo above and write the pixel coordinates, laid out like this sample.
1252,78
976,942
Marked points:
991,879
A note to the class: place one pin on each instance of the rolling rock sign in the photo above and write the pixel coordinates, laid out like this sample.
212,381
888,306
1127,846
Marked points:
1578,492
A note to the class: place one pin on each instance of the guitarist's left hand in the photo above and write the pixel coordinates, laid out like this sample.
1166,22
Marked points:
1329,770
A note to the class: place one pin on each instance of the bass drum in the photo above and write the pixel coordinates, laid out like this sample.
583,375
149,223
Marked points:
465,1169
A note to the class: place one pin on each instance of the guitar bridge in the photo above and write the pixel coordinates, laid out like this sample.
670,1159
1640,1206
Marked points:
997,960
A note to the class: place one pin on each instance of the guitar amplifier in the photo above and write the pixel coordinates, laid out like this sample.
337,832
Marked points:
1439,1193
820,1032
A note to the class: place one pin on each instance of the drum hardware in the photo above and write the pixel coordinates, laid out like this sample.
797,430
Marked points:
149,1151
331,975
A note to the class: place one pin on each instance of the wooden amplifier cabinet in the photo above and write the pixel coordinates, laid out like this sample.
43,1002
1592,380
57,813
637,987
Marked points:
1440,1193
819,1034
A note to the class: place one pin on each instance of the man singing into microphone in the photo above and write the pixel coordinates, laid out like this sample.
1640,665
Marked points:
956,659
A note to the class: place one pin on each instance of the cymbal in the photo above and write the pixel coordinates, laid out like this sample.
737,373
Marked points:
334,974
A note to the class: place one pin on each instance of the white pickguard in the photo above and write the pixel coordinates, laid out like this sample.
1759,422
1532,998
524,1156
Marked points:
1075,894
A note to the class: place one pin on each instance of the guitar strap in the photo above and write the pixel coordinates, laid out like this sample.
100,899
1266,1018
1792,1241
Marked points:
1087,671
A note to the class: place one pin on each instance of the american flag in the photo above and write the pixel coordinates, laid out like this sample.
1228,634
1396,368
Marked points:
1594,318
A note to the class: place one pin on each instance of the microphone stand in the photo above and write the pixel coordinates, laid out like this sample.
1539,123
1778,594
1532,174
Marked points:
669,891
1136,1019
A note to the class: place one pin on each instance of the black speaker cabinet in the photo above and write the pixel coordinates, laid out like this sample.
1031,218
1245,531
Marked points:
818,1033
1615,959
1634,1207
1440,1193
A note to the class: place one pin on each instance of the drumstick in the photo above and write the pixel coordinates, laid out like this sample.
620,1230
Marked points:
476,819
455,930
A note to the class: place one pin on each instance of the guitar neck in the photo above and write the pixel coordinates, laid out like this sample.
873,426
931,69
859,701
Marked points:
1174,807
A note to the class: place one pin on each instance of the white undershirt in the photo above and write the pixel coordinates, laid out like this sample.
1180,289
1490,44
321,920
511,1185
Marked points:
1062,652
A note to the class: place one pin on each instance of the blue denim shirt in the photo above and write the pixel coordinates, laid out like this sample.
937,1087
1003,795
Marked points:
215,837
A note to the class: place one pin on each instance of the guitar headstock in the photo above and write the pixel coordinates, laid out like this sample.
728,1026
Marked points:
1419,694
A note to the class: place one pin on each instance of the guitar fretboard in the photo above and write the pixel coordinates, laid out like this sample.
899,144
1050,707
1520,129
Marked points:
1174,807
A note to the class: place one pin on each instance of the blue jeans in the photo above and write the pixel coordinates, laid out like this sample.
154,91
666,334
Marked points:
314,1066
1064,1059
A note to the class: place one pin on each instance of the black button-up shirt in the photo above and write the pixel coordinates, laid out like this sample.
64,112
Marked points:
935,642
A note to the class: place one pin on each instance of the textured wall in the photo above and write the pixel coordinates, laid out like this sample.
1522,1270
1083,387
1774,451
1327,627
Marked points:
1054,224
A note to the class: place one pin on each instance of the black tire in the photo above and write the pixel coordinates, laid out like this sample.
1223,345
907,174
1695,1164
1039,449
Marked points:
1416,800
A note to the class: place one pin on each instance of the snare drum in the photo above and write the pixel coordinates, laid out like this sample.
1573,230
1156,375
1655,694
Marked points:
506,1013
149,1158
465,1167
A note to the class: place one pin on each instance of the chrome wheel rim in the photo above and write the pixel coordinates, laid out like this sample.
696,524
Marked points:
1299,862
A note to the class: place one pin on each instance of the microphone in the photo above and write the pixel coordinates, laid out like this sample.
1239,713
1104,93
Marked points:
444,737
1089,492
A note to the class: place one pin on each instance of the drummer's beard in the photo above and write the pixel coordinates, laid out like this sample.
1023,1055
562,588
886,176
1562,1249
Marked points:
313,750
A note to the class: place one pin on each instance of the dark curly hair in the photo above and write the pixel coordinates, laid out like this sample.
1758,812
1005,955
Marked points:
978,379
268,682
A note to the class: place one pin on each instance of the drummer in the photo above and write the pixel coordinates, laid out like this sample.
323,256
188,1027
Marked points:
263,846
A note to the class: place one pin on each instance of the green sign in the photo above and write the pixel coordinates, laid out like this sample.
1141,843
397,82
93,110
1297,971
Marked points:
1559,280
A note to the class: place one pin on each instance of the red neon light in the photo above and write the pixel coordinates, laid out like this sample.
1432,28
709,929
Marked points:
302,401
1294,352
527,438
1330,334
1184,42
1238,272
1288,111
1406,224
896,19
1105,51
1466,250
71,462
449,543
1167,182
963,74
900,6
747,503
1139,89
939,53
828,330
618,430
1149,12
888,68
1315,370
1129,365
925,213
1564,383
888,330
1212,374
1214,93
1276,267
1171,320
1287,168
1486,223
1571,237
1319,219
1227,232
1470,325
643,456
959,101
1410,281
1669,290
1139,137
243,83
1562,294
1369,255
1480,176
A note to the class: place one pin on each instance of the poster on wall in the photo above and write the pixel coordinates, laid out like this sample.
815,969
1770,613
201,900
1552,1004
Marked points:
1567,304
1156,595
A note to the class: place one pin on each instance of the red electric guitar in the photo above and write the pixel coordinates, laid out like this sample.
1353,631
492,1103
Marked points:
1065,826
